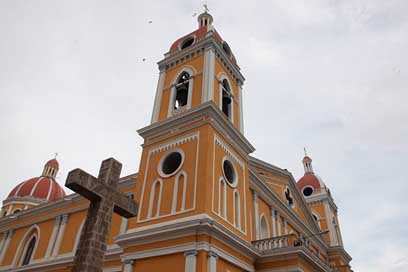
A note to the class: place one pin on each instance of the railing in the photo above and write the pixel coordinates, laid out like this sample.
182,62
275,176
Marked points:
290,241
180,110
275,242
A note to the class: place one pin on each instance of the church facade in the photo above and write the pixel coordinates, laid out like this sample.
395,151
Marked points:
205,204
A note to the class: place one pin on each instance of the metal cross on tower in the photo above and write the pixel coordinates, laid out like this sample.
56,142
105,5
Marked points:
105,199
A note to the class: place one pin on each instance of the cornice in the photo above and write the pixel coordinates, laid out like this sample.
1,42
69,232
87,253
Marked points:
300,252
201,224
276,170
270,196
339,251
207,112
208,42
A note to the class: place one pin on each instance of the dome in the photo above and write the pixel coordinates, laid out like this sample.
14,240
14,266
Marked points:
52,163
43,188
312,180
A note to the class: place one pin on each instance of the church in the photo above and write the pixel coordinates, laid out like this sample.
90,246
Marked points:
204,203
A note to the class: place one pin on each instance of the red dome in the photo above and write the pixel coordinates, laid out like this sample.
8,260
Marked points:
198,35
40,187
310,179
53,163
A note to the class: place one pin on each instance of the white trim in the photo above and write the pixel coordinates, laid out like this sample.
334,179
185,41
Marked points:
273,222
5,244
241,109
191,260
164,147
262,218
208,75
212,249
60,235
212,261
235,181
175,192
237,208
35,186
151,199
222,195
78,237
50,189
51,242
256,214
34,230
160,164
191,71
158,97
293,268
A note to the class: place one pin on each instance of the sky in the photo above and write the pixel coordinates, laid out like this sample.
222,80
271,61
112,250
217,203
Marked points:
327,75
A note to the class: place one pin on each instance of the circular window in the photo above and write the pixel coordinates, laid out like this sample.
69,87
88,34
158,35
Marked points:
187,42
229,172
170,163
307,191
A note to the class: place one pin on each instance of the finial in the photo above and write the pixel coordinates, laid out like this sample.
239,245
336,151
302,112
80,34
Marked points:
55,155
304,148
206,7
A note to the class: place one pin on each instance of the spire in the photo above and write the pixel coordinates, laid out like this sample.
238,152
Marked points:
51,168
307,163
205,19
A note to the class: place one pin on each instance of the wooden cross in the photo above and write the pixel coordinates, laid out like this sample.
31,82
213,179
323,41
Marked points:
105,199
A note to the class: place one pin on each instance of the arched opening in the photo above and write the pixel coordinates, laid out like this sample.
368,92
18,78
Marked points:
179,193
28,254
289,198
187,42
222,199
226,97
182,89
264,228
155,199
237,209
16,211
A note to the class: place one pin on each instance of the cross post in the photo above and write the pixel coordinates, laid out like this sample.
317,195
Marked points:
105,199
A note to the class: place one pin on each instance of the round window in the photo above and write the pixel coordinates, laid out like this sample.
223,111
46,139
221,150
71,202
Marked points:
170,163
307,191
187,42
229,172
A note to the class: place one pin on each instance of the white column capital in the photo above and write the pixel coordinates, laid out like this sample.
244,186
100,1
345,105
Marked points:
191,253
128,267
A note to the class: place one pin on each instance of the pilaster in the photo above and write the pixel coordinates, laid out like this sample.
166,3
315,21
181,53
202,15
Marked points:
128,266
191,259
60,235
53,236
212,261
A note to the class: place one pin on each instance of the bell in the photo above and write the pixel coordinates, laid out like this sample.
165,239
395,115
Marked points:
226,98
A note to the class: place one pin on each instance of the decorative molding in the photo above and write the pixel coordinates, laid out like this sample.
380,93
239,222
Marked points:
158,97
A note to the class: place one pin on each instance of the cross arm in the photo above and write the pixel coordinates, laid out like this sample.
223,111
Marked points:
124,205
82,183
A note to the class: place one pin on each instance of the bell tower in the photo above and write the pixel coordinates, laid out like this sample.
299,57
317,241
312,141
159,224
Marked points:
195,157
198,68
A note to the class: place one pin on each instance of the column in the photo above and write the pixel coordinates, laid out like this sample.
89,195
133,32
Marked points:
278,222
273,221
191,257
5,244
158,98
329,221
123,225
60,235
285,226
208,76
128,267
53,236
256,215
212,261
241,110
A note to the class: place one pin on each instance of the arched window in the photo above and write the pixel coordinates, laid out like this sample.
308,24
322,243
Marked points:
237,209
182,86
222,199
179,193
264,228
16,211
155,199
289,197
226,97
28,254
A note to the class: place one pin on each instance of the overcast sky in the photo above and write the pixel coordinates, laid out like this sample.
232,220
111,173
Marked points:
330,75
